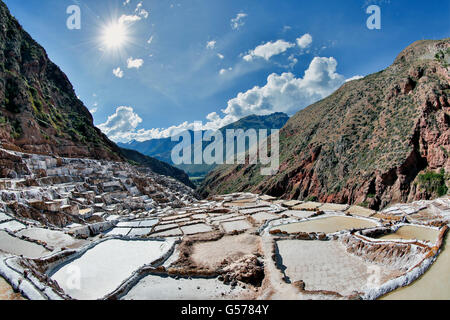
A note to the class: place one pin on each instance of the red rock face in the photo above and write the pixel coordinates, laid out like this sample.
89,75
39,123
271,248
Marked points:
365,144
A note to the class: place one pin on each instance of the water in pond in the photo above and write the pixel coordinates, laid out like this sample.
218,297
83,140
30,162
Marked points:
103,268
326,225
433,285
413,233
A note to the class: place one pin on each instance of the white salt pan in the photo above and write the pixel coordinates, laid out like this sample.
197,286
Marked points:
104,267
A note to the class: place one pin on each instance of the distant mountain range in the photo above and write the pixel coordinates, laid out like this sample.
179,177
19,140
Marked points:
40,112
375,141
162,148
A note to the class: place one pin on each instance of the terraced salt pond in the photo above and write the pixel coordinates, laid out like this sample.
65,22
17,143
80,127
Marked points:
326,265
326,225
19,247
413,233
55,239
154,287
433,285
104,267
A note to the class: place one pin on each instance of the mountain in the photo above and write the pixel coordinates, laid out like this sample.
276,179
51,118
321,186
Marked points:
162,148
378,140
40,112
157,166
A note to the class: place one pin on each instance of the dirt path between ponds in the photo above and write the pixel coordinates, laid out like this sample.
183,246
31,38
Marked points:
7,292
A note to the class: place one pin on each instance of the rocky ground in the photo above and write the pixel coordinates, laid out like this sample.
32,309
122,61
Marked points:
61,215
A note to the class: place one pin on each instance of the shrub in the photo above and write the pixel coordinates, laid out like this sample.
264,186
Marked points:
434,183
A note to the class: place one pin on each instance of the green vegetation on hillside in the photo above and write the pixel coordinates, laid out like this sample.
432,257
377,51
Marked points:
434,183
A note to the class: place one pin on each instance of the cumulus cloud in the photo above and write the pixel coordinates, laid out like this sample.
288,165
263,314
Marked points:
221,56
121,125
304,41
268,50
286,93
134,63
118,72
211,44
282,93
238,22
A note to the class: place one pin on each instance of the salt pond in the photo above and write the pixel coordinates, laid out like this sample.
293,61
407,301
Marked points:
239,225
326,225
326,265
154,287
104,267
196,228
56,239
4,217
12,226
19,247
413,233
433,285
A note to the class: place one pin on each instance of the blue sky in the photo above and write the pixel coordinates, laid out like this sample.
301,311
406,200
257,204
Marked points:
216,61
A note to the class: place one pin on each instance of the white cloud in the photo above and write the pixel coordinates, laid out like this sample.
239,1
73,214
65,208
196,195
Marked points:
238,22
121,125
128,19
93,110
354,78
286,93
269,50
282,93
211,44
304,41
149,41
134,63
223,71
118,72
221,56
126,2
293,61
141,11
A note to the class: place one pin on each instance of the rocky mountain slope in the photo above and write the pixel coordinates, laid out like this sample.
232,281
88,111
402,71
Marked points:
375,141
157,166
162,148
40,112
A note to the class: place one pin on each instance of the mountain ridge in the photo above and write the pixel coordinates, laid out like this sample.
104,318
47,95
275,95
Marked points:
161,149
372,142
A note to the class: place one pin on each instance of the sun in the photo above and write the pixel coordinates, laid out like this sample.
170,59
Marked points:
114,35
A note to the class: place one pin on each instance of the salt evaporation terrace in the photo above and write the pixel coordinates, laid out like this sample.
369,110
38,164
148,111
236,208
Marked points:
87,229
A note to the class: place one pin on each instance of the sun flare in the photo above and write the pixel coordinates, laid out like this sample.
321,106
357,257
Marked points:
114,35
